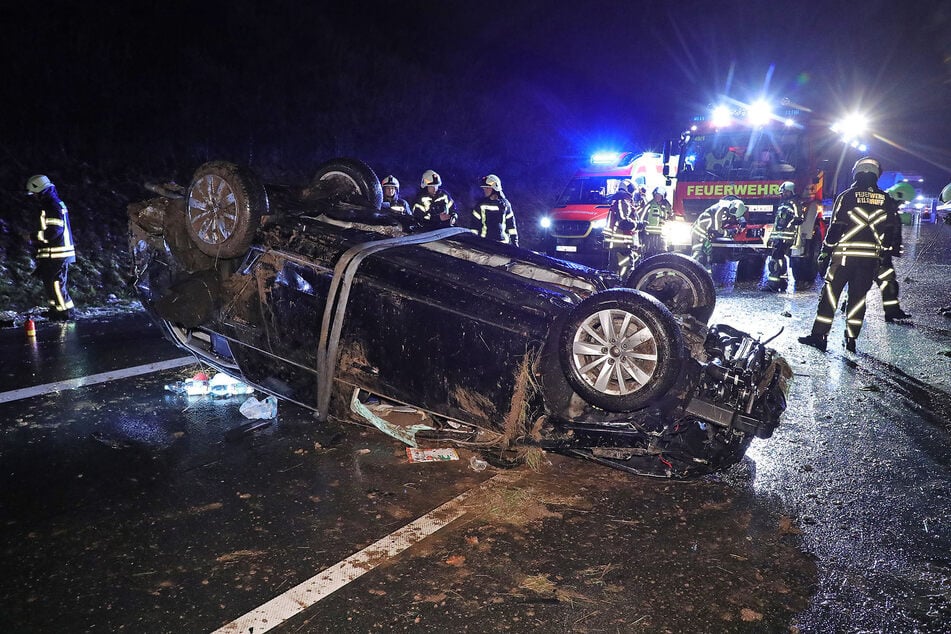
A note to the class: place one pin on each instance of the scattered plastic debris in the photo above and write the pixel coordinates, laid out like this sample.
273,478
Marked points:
430,455
188,387
477,464
224,385
254,409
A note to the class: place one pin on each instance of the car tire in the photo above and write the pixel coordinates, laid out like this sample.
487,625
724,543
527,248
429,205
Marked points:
347,180
596,351
681,284
223,208
181,246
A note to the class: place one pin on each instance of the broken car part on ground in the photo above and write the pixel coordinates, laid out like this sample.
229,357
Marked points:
312,293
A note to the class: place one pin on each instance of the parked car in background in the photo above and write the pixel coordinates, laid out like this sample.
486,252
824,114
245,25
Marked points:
315,295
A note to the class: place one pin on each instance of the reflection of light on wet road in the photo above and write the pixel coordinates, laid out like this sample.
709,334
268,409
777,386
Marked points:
38,390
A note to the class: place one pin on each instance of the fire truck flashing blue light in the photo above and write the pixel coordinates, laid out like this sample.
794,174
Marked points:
545,222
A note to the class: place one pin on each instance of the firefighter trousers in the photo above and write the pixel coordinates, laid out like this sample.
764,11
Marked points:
653,243
888,283
54,274
777,265
859,274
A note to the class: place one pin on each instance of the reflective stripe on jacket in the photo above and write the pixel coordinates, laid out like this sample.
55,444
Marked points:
54,238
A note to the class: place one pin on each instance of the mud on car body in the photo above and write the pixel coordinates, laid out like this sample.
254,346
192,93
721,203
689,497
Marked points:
311,293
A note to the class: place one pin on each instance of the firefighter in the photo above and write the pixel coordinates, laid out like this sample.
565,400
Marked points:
945,197
391,197
433,206
657,212
788,218
54,247
493,217
715,222
619,234
852,249
885,275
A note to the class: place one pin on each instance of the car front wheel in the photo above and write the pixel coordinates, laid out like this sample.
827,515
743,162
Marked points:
681,284
621,350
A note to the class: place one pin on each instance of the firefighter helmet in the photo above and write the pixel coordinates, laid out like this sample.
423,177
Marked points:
492,181
390,181
867,164
37,184
430,178
738,207
626,185
946,194
787,189
902,192
660,189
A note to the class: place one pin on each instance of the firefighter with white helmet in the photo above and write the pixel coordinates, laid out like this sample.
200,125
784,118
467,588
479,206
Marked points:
885,277
789,215
433,206
54,246
619,233
715,222
853,248
492,217
391,197
655,214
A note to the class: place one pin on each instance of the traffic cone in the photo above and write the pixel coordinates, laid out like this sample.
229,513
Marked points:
30,328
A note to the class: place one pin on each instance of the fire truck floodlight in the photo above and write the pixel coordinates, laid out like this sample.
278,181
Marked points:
720,117
851,127
605,158
759,113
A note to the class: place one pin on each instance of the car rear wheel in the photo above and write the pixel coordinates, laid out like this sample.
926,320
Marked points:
223,209
621,350
681,284
347,180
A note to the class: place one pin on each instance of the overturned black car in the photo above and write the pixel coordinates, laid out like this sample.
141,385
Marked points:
316,295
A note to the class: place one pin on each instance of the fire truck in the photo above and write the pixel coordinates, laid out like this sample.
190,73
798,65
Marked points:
742,151
747,152
573,226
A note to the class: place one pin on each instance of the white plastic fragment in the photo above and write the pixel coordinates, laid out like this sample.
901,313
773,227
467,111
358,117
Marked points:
254,409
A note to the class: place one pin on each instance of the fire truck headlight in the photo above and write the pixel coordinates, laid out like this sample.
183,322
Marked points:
599,224
676,232
545,222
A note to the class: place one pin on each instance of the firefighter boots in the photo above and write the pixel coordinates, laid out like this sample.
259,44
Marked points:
849,344
815,341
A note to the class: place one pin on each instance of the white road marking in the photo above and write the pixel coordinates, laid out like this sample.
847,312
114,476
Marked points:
92,379
299,598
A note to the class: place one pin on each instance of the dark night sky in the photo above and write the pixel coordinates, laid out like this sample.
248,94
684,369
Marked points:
475,85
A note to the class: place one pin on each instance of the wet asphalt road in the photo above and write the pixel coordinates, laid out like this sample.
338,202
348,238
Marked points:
126,508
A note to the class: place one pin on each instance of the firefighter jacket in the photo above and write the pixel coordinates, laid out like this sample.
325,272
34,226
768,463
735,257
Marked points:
892,228
788,218
713,222
655,214
494,219
428,208
397,206
54,239
619,232
858,220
